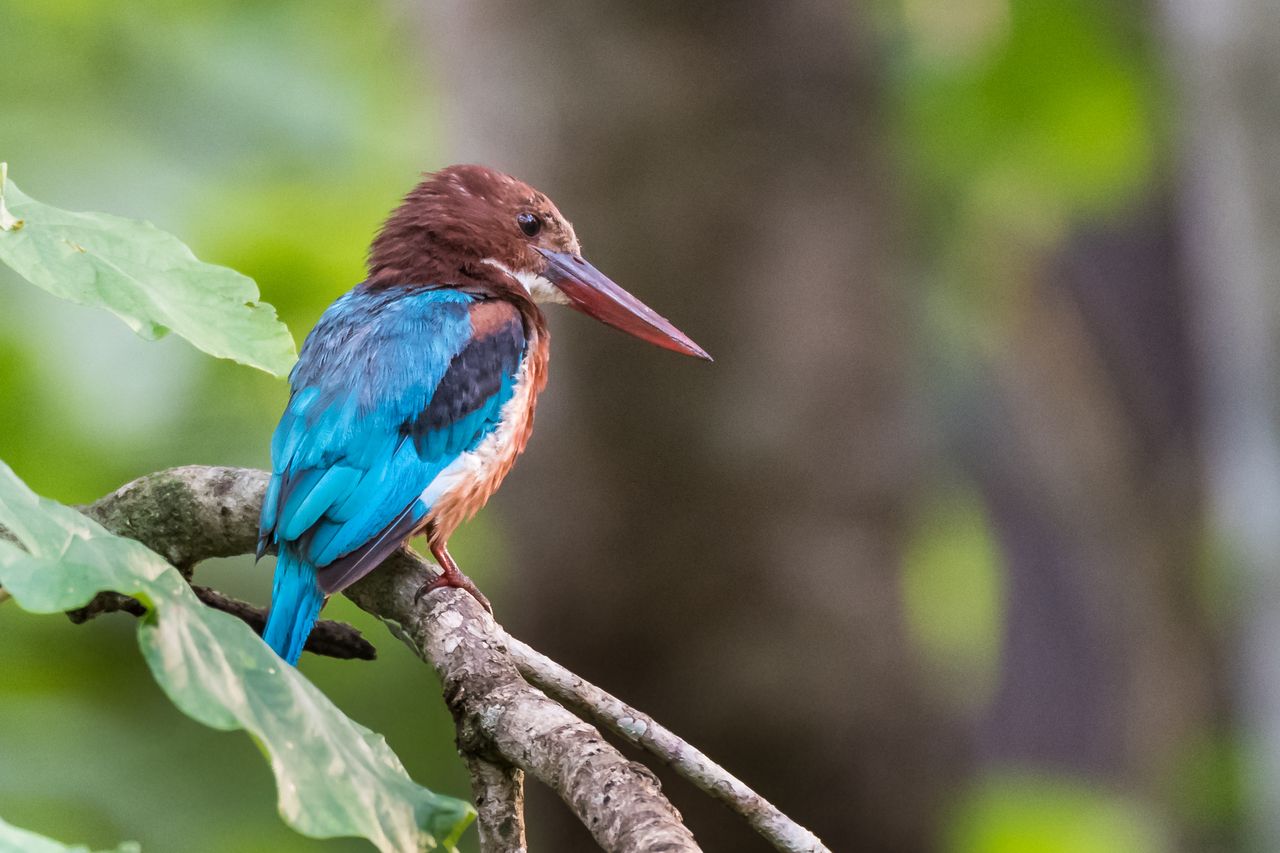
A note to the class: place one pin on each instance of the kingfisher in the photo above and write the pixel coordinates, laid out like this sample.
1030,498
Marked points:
415,392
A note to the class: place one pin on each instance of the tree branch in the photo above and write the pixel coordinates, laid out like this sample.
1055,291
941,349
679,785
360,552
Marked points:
329,638
194,513
505,725
498,789
499,715
643,731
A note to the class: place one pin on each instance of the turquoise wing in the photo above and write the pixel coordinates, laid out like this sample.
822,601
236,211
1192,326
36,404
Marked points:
389,390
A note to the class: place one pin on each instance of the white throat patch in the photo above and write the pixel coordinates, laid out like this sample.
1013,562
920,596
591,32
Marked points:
540,289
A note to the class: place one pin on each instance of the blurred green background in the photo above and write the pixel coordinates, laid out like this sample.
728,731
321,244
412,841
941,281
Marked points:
932,555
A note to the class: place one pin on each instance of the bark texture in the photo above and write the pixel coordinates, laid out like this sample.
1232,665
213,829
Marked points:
498,791
641,730
498,713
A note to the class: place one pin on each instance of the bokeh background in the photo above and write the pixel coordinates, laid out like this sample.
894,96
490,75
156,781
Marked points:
966,542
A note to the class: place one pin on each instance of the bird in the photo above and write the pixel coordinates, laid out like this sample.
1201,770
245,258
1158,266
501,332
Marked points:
415,391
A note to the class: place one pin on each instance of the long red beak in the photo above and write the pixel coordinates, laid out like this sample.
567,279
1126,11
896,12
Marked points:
594,294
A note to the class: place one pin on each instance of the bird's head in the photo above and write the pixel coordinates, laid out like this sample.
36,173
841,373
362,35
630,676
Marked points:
473,227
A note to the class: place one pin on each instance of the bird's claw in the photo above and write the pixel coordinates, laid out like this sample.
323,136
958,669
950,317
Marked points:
457,580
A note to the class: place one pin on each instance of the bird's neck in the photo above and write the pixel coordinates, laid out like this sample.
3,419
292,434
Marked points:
395,266
539,347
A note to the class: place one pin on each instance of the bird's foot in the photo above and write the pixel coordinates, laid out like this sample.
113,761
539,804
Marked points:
453,578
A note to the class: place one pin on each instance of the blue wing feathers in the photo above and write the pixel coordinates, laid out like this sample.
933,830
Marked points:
390,388
345,570
385,493
305,508
268,522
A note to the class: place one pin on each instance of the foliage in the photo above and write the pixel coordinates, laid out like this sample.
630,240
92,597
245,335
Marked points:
264,136
1019,116
143,275
14,840
335,777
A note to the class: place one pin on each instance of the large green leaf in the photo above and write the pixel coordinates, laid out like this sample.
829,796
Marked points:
14,840
147,277
335,777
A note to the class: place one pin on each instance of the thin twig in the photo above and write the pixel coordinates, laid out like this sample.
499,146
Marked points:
498,791
643,731
106,602
330,638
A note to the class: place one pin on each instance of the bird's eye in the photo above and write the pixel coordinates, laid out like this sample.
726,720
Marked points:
529,224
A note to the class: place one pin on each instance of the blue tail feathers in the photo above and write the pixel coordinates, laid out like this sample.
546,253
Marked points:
296,600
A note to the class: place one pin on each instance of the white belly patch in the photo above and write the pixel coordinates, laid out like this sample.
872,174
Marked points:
497,448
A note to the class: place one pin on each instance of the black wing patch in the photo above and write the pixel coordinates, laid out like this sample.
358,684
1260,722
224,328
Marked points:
484,370
463,409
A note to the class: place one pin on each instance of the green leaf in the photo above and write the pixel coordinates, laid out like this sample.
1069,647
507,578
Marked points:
145,276
14,840
335,777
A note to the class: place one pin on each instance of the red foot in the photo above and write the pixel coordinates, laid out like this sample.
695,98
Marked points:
454,578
